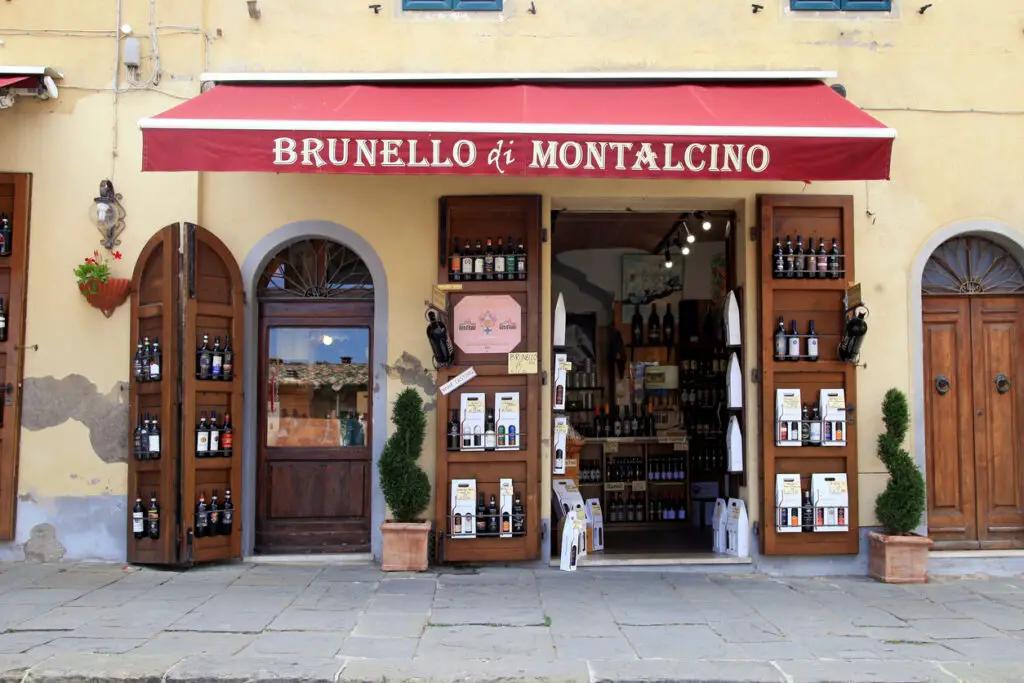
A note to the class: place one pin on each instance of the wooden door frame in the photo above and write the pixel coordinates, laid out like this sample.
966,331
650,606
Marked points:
311,313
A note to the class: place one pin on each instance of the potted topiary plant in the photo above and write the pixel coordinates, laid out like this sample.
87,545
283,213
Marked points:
406,487
897,555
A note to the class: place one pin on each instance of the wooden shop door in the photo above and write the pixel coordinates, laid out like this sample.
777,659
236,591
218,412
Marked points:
315,462
974,379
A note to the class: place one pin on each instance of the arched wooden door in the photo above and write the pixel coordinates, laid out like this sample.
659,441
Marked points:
973,315
178,297
314,457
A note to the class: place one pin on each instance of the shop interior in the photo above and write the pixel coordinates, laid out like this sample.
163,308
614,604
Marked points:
644,295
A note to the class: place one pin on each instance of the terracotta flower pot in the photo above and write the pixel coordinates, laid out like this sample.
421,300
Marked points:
108,295
405,546
898,559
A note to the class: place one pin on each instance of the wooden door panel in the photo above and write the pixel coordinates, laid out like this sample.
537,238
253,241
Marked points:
315,463
997,339
949,430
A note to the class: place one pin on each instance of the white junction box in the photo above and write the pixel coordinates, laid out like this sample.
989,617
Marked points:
562,367
833,417
595,520
506,404
506,508
463,508
787,503
561,439
787,417
473,408
831,497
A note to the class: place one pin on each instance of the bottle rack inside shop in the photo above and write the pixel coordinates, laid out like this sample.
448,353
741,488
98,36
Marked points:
488,429
808,395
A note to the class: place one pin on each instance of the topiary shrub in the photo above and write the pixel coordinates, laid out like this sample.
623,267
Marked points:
900,506
405,486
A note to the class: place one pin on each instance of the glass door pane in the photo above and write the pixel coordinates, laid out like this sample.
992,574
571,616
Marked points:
318,385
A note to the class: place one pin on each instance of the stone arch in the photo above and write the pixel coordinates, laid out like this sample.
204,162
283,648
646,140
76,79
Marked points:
252,268
1006,236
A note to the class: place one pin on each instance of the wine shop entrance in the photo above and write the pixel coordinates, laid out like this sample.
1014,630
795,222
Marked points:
314,458
644,295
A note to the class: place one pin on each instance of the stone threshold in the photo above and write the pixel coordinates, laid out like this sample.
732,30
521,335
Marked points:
326,559
973,554
657,560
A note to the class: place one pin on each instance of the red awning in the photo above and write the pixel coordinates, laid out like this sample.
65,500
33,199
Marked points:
767,130
18,81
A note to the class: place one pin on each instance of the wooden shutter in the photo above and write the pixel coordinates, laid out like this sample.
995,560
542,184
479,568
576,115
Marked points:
155,313
213,305
14,201
805,299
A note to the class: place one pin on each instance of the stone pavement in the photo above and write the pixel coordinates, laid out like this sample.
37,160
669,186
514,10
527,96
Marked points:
330,624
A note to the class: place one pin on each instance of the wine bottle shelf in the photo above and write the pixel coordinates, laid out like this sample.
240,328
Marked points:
488,286
808,284
215,386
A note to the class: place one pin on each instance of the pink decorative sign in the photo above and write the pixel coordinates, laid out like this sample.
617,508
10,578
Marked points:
487,324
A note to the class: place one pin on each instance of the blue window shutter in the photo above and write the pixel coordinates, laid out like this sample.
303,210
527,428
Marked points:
477,5
867,5
826,5
427,4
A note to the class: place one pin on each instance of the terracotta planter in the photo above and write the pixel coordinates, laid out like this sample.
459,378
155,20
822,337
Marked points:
108,295
405,546
898,559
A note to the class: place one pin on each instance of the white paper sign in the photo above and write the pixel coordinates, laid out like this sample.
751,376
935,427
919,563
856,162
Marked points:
457,381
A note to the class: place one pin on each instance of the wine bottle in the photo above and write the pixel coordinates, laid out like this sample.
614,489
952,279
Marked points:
216,360
511,261
499,261
453,431
202,438
668,328
478,261
822,270
807,514
812,342
833,260
138,362
805,425
789,255
489,260
794,342
154,360
202,522
521,260
815,439
154,440
654,327
227,437
153,518
518,515
227,514
214,435
780,341
455,263
204,359
138,518
778,260
637,327
227,372
467,261
147,350
213,515
490,440
6,236
799,261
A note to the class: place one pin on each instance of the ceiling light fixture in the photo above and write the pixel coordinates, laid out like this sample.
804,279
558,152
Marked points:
668,258
686,251
705,221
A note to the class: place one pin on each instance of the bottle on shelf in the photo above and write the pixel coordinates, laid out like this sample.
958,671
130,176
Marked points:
153,439
627,424
216,360
478,261
617,425
778,260
499,261
518,515
805,425
227,372
799,257
453,431
822,258
789,256
781,344
227,514
139,362
455,262
204,359
506,522
3,321
227,437
492,516
637,327
490,438
811,259
654,327
834,256
815,425
214,435
794,342
154,361
202,521
481,515
202,438
511,260
489,260
668,328
812,342
521,260
467,262
6,235
634,423
147,350
807,513
138,518
140,442
153,518
213,515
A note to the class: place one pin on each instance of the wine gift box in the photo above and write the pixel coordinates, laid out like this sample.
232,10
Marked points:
831,497
718,520
561,439
787,503
595,524
507,409
463,508
737,529
562,368
787,417
473,409
833,417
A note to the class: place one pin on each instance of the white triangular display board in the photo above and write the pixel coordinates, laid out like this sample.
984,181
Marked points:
734,382
734,445
732,321
737,529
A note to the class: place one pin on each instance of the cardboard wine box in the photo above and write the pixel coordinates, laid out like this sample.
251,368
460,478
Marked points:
831,497
718,521
833,417
506,404
506,508
737,529
561,441
788,508
473,408
463,508
595,524
787,417
562,368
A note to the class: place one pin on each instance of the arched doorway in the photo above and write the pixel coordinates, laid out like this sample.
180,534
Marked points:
972,302
314,462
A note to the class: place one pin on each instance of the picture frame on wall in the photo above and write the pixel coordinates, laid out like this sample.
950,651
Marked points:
645,278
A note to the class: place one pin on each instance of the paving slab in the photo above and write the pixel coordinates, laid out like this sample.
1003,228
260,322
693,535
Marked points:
82,668
951,629
593,649
487,642
295,619
840,647
62,645
864,672
14,643
306,643
379,648
683,642
999,649
14,667
503,670
664,670
390,626
984,673
399,604
188,644
245,669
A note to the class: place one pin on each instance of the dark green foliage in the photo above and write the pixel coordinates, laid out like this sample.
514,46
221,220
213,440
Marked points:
405,486
900,506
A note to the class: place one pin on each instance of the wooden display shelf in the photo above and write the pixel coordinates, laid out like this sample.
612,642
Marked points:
488,286
647,525
820,300
213,386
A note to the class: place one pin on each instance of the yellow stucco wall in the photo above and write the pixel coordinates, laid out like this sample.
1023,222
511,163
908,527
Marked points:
948,81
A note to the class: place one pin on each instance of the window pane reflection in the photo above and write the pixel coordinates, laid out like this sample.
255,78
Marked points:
317,387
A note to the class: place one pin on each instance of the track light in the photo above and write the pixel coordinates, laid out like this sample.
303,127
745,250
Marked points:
686,251
690,239
668,259
705,222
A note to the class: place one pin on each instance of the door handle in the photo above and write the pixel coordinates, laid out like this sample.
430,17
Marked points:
942,385
1003,383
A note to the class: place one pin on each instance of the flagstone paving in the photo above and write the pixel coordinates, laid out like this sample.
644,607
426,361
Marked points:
316,623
